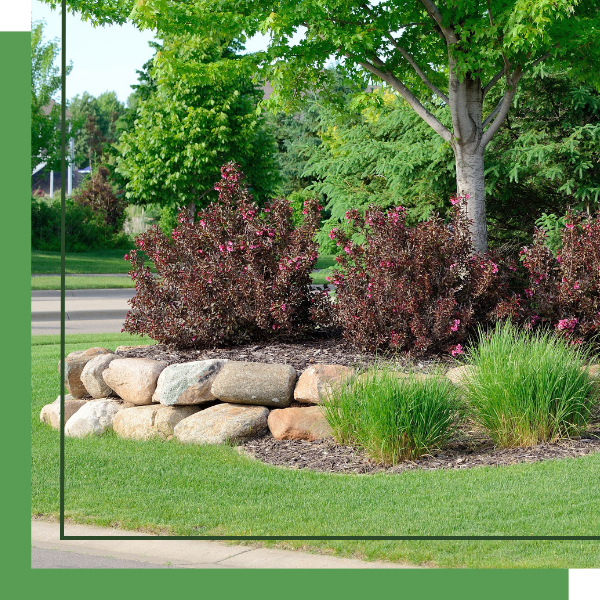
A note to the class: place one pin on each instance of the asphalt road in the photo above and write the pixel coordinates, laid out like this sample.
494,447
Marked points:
87,311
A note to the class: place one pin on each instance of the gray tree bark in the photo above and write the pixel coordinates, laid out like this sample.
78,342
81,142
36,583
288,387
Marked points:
466,106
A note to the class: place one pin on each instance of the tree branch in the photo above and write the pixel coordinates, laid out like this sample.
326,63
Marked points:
504,106
436,15
417,70
412,100
489,118
542,58
493,81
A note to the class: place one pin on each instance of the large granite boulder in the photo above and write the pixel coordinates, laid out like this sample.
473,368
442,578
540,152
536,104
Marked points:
153,420
187,383
255,383
91,376
74,364
168,417
314,383
298,423
223,423
93,418
50,413
127,348
134,379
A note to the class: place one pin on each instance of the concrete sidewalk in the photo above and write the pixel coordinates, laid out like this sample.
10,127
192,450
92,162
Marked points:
186,554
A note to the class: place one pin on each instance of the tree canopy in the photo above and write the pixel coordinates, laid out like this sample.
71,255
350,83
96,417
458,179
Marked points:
96,123
45,83
198,113
373,149
445,52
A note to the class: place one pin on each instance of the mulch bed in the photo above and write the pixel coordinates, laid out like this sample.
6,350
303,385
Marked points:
470,450
301,354
476,451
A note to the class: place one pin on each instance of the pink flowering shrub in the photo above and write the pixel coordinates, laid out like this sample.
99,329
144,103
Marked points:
564,289
236,274
413,288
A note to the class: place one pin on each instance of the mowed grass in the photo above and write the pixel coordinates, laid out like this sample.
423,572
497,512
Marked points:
171,488
106,261
81,283
97,262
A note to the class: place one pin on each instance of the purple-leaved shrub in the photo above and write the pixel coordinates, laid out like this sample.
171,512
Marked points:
564,289
236,274
413,288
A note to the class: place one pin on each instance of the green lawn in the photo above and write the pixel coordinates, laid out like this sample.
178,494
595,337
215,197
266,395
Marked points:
100,261
81,283
208,490
325,260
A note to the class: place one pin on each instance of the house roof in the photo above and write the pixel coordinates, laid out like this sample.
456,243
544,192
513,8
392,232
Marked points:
46,109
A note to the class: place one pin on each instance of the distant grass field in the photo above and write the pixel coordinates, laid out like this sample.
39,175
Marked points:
181,489
100,261
81,283
106,261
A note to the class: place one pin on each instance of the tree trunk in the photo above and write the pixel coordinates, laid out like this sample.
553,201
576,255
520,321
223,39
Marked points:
466,107
470,181
191,208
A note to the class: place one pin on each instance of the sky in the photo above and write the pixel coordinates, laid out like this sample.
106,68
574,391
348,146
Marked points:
105,58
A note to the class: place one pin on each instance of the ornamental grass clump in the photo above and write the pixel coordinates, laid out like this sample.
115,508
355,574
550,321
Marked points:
528,387
393,417
418,289
234,274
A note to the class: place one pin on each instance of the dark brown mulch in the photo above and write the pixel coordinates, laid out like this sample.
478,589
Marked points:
475,451
301,354
471,450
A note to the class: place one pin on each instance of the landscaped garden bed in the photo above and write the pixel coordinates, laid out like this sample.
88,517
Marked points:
293,442
166,487
473,450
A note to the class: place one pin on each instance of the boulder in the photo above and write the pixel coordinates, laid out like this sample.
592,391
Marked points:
126,348
594,371
459,375
94,418
255,383
145,422
168,417
134,379
91,376
314,383
51,412
223,423
187,383
298,423
74,364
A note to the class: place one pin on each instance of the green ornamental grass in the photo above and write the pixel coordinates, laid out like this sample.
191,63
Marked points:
392,416
527,388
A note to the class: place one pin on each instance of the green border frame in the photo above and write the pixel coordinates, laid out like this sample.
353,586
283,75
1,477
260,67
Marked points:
16,443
